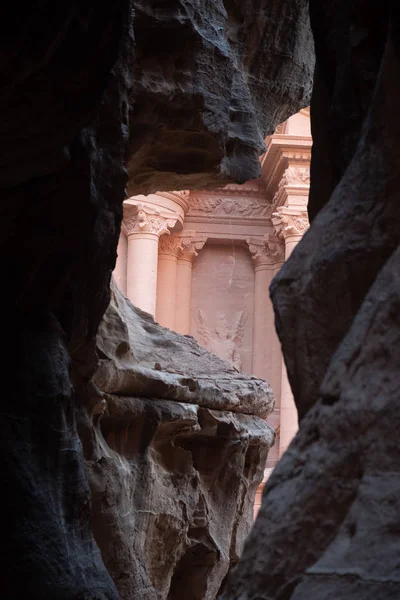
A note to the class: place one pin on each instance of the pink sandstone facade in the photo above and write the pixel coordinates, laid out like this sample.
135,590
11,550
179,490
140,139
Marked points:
201,263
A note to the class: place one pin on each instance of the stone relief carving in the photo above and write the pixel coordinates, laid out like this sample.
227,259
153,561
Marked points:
169,244
239,207
189,248
293,176
139,218
296,176
184,247
223,339
287,223
268,251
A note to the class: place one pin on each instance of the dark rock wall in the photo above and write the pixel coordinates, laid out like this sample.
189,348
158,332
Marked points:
328,527
70,77
211,79
64,75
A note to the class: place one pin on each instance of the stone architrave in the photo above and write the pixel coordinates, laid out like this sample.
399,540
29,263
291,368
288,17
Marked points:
144,225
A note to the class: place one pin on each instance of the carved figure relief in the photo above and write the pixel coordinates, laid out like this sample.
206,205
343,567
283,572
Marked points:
225,338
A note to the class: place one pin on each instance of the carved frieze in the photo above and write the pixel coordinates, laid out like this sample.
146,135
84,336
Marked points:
230,206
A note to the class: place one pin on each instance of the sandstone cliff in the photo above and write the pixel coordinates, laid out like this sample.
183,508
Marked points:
329,524
180,94
175,460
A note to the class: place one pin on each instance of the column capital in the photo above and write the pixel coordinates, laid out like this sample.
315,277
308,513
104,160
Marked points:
290,222
184,246
169,245
190,246
268,251
140,218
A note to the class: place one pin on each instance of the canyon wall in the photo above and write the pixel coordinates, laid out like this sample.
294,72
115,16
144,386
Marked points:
328,527
97,98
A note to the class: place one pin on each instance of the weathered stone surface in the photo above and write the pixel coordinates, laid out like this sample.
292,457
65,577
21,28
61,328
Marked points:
211,79
66,74
64,91
137,355
173,483
329,523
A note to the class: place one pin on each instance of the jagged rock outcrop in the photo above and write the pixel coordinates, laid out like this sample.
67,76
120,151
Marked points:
175,460
78,97
211,80
329,523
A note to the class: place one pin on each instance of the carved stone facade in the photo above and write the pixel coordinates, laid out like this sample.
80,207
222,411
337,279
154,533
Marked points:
212,256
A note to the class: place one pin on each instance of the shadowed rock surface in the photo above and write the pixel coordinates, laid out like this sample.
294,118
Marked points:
329,524
173,473
79,97
211,79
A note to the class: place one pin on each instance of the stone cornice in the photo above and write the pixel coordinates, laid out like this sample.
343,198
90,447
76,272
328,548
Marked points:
289,222
255,187
268,251
181,198
139,218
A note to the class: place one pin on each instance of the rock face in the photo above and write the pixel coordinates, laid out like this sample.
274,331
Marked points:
329,523
211,79
78,98
174,472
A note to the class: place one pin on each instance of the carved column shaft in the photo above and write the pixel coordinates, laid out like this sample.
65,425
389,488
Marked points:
144,226
167,280
268,256
188,251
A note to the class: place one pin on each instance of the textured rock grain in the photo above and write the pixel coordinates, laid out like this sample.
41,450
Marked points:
211,80
329,523
173,478
187,104
136,354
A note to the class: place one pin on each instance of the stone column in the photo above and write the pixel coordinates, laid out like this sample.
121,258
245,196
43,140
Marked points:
268,255
290,224
188,250
144,226
168,249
